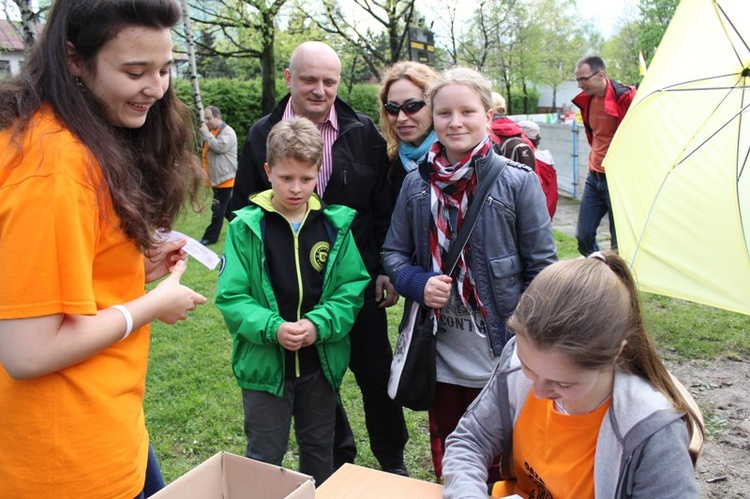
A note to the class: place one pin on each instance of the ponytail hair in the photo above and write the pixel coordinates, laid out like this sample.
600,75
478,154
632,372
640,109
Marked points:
585,308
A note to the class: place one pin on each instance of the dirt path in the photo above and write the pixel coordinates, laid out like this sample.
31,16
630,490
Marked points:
722,389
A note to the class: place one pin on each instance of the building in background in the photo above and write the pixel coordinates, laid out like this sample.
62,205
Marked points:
11,49
563,97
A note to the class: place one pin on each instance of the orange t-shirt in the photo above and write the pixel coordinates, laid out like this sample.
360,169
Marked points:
603,127
78,432
553,454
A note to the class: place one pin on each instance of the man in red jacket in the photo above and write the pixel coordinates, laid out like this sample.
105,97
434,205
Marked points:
603,103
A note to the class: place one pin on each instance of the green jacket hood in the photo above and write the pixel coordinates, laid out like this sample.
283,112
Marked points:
341,217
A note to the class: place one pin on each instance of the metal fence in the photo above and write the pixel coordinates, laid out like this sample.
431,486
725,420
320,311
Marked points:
570,149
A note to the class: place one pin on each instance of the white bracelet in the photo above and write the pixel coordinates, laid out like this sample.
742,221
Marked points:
128,320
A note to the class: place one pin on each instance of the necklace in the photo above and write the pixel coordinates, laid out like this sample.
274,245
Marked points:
560,408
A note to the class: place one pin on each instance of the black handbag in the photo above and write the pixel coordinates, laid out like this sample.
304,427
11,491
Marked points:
413,373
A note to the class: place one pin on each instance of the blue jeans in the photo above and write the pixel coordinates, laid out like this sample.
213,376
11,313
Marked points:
311,400
594,205
154,480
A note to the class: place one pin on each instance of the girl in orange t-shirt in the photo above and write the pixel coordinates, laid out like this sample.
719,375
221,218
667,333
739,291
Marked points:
95,155
580,404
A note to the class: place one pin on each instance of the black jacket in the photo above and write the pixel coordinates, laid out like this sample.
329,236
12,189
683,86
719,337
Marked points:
358,180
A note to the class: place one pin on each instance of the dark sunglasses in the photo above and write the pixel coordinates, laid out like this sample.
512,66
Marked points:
409,107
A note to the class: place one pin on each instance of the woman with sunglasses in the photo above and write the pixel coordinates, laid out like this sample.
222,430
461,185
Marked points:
406,123
405,117
510,244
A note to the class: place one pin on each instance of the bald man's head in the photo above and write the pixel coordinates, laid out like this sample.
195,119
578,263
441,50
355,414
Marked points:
313,78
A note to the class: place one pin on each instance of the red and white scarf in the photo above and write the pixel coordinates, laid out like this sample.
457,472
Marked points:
452,186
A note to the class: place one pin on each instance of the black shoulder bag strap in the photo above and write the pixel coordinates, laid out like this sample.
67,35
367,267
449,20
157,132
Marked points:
472,214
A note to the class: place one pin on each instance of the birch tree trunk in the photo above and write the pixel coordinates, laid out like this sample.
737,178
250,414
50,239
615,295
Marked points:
28,22
191,58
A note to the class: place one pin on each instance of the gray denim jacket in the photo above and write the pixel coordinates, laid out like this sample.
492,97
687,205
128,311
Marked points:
511,243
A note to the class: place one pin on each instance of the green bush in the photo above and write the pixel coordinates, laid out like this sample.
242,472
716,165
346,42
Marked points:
364,98
238,100
516,101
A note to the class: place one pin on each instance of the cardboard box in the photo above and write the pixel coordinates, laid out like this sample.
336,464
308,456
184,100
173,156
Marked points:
228,476
352,481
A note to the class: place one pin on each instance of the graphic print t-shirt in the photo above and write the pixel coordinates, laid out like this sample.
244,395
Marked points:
464,356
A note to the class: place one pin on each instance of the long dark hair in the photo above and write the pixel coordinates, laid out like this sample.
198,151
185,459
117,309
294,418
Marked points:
148,170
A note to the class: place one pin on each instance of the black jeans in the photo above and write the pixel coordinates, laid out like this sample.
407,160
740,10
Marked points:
311,401
371,364
219,211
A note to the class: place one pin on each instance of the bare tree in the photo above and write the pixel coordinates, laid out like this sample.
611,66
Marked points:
449,24
191,56
484,38
29,20
394,16
247,29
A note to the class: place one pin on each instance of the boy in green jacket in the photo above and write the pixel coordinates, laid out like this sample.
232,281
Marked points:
290,288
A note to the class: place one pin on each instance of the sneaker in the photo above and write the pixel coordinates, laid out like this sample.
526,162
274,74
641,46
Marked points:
400,470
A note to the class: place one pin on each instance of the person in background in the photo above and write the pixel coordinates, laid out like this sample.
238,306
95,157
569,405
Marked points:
290,315
580,404
510,244
220,164
603,103
510,140
545,165
354,173
95,156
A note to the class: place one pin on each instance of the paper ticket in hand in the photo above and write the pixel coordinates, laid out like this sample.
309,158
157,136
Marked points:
193,248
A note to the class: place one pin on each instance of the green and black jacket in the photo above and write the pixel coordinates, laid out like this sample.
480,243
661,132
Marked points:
271,275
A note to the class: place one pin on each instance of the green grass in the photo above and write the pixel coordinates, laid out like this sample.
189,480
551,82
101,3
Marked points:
194,407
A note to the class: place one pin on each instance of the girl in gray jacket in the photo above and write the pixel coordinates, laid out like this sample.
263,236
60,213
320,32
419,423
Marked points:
511,243
580,404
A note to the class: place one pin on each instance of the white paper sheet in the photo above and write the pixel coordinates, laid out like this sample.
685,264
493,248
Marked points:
193,248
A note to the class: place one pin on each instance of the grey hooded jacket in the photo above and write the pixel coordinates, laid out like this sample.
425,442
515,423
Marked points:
641,450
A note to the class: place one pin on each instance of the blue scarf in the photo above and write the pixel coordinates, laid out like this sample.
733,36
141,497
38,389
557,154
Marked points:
410,155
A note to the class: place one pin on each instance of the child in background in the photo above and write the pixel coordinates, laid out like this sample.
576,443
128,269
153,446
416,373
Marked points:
545,165
580,403
291,286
